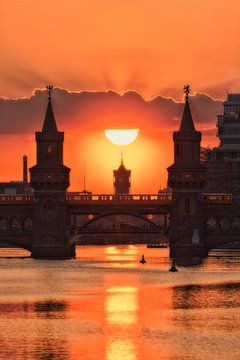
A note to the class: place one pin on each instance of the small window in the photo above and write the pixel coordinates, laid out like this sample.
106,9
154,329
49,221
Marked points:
49,205
49,149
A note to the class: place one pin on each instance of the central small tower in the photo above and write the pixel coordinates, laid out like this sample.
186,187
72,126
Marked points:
122,181
187,178
50,179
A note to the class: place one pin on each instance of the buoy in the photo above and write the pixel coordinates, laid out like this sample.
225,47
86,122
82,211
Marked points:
173,268
142,261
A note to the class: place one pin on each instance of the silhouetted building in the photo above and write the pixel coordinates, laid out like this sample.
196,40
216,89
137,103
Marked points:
122,181
25,169
50,179
187,178
223,162
17,187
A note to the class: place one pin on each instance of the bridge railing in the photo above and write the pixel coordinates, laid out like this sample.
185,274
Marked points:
75,198
16,199
217,198
78,198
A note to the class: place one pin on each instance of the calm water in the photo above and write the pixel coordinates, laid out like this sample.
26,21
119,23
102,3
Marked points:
107,306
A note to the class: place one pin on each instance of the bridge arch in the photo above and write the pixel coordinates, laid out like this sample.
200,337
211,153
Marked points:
153,225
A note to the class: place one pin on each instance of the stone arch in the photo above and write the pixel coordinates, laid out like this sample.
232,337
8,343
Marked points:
211,224
3,224
15,223
224,224
27,224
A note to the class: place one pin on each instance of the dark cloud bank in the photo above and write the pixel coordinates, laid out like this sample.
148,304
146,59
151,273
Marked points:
76,109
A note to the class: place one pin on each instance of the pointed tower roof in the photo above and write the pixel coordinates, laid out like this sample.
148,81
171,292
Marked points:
122,166
49,125
187,123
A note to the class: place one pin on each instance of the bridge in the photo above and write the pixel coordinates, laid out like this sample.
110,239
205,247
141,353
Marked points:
51,220
16,216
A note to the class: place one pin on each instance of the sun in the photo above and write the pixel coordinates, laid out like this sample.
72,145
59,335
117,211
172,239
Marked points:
121,136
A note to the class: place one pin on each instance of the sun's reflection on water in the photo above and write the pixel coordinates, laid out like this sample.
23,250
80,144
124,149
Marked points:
121,349
121,306
123,255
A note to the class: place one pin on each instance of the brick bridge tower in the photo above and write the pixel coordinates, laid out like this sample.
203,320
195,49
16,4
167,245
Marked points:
50,179
187,178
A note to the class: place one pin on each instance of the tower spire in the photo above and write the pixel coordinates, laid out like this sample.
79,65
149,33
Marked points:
121,158
187,124
49,125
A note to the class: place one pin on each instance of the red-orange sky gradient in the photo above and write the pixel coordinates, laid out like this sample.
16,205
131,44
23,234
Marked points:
152,47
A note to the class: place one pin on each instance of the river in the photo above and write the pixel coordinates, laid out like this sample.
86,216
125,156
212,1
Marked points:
105,305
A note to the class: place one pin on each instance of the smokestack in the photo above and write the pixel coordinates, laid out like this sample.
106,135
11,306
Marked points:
25,169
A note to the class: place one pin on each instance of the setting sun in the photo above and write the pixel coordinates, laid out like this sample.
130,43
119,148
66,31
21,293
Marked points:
121,136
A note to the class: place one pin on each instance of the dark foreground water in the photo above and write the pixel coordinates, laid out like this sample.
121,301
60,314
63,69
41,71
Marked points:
105,305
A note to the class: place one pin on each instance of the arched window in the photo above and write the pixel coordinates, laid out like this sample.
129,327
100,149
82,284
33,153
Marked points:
49,205
49,151
15,223
27,224
187,206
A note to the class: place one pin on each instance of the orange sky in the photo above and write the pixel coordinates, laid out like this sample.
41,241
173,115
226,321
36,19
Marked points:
151,46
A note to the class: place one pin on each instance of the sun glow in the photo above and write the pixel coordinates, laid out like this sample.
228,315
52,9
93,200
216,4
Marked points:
121,136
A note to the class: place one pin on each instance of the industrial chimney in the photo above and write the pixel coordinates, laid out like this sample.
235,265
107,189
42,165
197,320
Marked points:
25,169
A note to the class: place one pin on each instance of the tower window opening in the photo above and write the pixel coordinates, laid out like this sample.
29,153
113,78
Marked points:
49,149
49,205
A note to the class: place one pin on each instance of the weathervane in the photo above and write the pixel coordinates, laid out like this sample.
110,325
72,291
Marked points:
49,90
186,90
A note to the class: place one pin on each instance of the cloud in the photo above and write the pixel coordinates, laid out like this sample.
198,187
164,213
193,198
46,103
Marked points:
105,109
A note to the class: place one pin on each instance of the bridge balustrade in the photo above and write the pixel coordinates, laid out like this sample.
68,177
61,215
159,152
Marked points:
75,198
217,199
109,198
15,199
